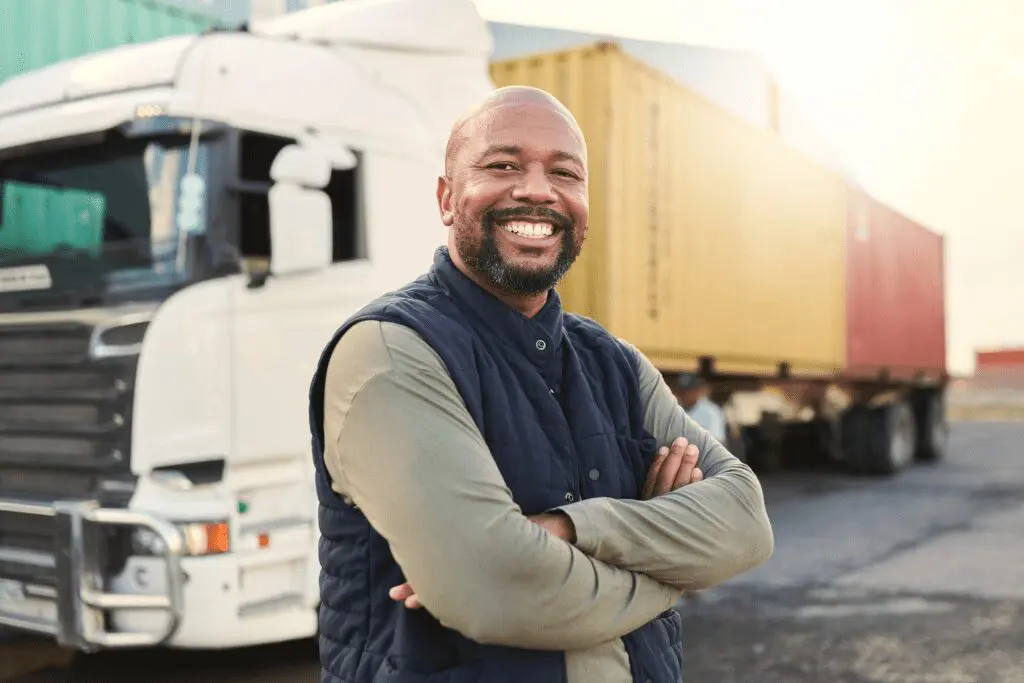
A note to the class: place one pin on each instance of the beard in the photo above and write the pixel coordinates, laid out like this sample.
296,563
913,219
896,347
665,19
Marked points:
483,255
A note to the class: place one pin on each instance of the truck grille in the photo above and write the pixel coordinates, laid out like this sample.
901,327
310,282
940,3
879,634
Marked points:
22,538
65,419
65,427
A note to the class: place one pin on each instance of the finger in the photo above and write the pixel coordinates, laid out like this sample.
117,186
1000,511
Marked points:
698,475
669,470
413,602
652,472
686,467
401,593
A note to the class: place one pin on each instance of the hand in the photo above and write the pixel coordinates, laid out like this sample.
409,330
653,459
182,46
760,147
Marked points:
406,594
673,468
555,523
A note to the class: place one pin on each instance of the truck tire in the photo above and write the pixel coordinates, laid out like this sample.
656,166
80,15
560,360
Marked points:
880,440
933,426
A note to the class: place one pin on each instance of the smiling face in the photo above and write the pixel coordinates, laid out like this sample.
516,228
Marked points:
515,193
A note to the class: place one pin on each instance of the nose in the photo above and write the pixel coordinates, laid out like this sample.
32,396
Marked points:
534,187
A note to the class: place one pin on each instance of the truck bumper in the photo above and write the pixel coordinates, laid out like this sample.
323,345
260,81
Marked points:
71,604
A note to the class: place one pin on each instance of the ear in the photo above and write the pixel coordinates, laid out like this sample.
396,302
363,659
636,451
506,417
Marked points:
444,200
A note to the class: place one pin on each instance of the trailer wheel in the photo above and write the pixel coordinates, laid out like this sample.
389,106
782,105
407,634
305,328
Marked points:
933,426
880,440
893,438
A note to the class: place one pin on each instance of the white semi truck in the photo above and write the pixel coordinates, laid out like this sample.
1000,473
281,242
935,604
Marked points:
185,222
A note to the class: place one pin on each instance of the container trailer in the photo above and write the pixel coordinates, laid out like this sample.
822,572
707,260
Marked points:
815,313
896,314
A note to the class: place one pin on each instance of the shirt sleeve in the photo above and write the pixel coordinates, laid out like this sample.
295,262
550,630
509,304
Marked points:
402,446
694,537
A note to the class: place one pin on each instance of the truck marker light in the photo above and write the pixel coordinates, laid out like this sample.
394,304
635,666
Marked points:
148,111
207,539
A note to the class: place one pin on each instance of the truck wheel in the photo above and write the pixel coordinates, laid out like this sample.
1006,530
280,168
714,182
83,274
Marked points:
893,438
881,440
933,427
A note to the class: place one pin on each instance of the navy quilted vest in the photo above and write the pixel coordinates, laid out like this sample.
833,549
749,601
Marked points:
567,424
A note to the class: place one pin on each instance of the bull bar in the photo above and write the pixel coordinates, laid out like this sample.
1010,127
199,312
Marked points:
81,601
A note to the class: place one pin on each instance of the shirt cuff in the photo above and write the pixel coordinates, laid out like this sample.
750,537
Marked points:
587,536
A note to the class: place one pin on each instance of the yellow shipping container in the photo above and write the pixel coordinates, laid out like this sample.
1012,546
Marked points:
708,236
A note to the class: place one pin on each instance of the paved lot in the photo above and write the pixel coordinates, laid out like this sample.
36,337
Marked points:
919,579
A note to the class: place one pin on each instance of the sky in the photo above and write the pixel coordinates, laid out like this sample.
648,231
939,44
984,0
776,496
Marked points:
924,99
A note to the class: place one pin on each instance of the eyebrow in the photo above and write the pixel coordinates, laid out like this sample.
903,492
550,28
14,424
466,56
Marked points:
516,150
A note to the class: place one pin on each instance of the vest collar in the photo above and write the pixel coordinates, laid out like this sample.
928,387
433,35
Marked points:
538,338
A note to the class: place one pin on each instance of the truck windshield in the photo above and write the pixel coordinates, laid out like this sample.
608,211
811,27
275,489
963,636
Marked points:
102,218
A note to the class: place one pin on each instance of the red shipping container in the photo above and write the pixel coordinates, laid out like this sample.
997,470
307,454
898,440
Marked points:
895,293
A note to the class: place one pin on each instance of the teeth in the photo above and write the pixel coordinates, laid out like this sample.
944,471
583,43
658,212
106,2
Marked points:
536,230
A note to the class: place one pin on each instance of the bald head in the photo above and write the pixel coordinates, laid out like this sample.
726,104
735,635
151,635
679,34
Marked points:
513,96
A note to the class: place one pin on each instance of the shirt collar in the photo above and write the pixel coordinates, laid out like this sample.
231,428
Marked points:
538,338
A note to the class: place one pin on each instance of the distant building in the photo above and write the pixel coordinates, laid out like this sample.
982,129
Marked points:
999,368
999,359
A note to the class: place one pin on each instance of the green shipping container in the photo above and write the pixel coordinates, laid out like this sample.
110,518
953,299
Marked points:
37,33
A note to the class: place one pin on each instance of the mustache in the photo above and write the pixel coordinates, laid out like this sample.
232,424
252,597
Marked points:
560,221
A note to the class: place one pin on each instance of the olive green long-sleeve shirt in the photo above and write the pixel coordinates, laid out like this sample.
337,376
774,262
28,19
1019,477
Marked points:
401,445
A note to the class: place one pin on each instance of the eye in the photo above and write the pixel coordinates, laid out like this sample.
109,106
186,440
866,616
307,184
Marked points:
565,173
502,166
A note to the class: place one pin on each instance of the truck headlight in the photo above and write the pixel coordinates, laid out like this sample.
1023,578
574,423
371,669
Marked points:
201,538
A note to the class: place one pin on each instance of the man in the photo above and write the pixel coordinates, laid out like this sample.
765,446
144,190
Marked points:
692,392
508,493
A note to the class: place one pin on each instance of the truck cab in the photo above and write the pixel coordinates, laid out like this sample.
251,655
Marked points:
184,224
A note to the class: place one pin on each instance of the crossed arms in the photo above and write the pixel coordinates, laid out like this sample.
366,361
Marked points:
401,445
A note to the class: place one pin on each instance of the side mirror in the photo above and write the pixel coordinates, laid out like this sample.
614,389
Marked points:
342,158
337,153
301,223
301,166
